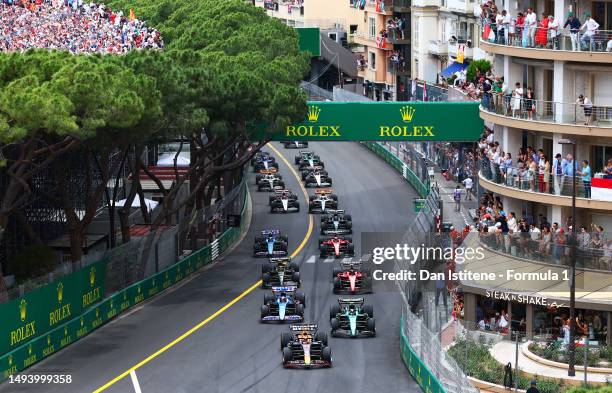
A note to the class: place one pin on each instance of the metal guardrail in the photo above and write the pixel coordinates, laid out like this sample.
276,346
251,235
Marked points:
545,38
523,108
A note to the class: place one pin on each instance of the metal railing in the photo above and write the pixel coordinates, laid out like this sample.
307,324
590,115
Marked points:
545,38
547,111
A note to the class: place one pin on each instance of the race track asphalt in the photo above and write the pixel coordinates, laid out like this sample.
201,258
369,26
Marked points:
234,352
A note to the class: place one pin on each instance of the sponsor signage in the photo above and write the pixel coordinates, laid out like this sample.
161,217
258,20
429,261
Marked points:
387,121
525,299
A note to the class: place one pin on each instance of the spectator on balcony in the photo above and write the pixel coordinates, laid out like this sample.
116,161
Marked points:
585,176
608,170
520,28
512,31
609,44
517,98
587,105
570,165
531,23
553,32
558,170
542,32
574,26
529,103
559,247
499,26
545,242
590,27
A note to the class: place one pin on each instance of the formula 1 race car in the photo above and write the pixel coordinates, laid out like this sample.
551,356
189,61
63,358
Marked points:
284,201
285,304
317,179
352,318
308,159
305,347
260,156
337,246
295,144
315,168
267,180
336,222
351,278
280,272
265,163
322,201
270,244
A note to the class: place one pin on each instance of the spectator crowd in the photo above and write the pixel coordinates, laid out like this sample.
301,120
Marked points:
72,25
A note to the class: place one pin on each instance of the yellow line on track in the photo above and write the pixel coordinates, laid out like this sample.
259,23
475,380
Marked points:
228,305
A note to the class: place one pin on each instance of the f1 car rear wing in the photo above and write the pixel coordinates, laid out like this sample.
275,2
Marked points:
281,190
280,260
343,301
330,211
323,191
289,289
267,232
310,327
268,171
348,264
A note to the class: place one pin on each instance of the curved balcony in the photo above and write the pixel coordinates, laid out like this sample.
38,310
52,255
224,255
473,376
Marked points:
585,47
523,185
547,116
371,41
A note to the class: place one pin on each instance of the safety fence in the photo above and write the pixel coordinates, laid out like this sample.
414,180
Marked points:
60,313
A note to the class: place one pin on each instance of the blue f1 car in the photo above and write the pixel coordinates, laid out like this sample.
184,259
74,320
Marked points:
270,244
285,304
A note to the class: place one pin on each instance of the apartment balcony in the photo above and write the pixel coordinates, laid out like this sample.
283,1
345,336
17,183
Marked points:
453,49
584,48
401,5
438,48
399,69
548,116
371,41
396,37
523,185
427,3
383,7
287,10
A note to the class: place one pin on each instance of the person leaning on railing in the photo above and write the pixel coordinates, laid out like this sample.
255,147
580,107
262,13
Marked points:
574,26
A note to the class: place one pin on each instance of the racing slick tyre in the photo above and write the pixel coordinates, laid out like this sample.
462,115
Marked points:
334,310
322,337
335,324
349,238
266,268
371,324
270,200
281,184
329,180
268,299
258,178
284,238
286,338
299,310
320,163
326,355
259,188
296,278
275,165
287,355
271,209
297,160
337,285
323,239
311,197
265,310
265,280
297,206
334,197
294,266
348,218
368,309
336,271
301,297
304,174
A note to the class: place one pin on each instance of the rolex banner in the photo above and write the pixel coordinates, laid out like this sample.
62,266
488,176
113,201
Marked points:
386,121
50,306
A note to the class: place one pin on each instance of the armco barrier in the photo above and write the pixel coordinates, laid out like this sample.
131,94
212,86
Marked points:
419,371
421,188
103,311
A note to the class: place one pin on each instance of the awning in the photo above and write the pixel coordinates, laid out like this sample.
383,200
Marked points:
167,160
451,69
136,203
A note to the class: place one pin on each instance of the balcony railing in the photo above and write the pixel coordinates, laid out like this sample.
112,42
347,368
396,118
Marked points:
545,38
521,177
547,111
593,249
438,47
380,6
401,3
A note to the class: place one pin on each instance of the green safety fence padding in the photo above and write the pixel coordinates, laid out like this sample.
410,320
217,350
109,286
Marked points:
419,371
82,292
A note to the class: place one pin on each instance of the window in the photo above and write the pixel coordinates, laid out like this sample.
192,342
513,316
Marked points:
372,60
415,32
372,27
443,30
352,29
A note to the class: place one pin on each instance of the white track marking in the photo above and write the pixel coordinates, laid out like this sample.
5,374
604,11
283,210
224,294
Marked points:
311,259
135,381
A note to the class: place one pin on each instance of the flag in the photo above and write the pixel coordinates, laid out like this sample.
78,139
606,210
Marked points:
424,91
413,89
132,15
460,53
601,189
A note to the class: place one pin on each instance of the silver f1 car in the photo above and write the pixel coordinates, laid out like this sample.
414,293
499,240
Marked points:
271,243
317,178
307,171
280,272
305,347
268,180
352,318
284,201
308,159
336,222
322,201
285,304
295,144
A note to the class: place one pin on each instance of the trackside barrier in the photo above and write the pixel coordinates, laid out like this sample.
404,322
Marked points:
421,188
103,311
